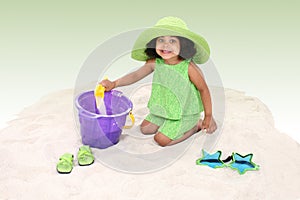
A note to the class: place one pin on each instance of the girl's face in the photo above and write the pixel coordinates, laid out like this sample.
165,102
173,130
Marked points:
168,47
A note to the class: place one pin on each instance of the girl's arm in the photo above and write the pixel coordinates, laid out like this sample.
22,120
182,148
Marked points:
132,77
198,80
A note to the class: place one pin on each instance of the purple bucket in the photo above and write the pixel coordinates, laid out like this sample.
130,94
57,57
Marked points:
98,130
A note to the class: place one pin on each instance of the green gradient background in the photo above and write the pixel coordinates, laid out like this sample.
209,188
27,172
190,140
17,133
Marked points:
254,45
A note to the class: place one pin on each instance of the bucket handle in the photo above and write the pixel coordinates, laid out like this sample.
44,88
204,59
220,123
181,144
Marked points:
131,116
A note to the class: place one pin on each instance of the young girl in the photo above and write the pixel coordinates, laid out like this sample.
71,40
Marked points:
179,92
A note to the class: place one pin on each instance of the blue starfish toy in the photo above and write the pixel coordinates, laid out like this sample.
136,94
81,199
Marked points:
243,163
211,160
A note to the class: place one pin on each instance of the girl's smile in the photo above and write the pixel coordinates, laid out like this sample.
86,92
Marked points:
168,47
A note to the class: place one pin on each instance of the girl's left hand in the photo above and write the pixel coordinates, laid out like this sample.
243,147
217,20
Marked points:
209,124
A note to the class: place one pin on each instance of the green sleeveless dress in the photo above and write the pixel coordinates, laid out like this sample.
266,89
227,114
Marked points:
173,95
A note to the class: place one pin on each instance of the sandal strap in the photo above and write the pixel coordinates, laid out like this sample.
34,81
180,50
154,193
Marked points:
68,158
85,151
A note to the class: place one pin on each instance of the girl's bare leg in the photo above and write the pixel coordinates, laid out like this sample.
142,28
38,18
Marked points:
148,128
163,140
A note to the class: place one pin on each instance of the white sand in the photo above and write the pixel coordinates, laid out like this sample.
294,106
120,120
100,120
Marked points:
31,145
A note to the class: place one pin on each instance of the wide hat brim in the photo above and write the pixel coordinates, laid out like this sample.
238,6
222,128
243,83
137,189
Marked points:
139,47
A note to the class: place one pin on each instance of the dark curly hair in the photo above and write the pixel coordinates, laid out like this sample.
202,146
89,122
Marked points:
187,48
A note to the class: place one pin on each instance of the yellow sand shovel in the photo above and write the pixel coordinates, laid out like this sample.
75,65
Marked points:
99,96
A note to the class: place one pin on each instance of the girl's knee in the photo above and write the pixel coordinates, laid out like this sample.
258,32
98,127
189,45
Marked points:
162,140
145,130
148,128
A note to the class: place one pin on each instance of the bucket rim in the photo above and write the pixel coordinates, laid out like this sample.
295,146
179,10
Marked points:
95,115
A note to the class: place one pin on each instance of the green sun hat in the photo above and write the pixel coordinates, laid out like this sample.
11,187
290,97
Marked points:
170,26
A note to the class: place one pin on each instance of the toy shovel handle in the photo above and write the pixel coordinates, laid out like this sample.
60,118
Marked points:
132,121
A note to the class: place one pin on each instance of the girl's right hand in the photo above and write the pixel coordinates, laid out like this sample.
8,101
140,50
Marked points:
109,85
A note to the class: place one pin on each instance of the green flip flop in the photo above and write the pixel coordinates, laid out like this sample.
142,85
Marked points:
85,156
65,164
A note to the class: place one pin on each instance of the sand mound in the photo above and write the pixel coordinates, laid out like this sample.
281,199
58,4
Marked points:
32,144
